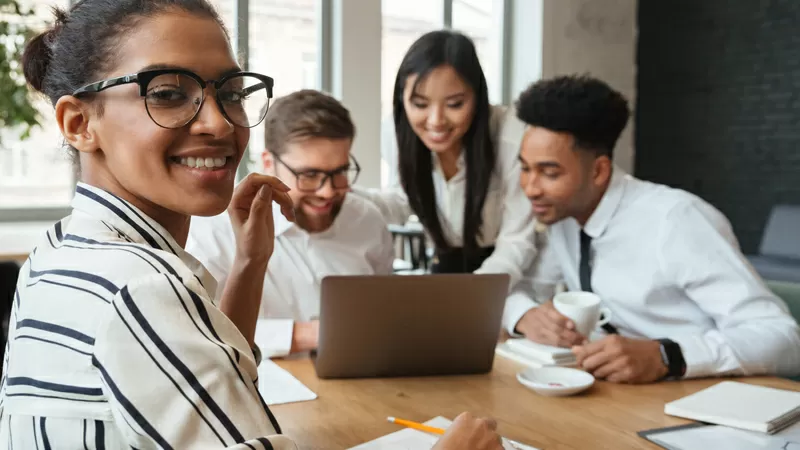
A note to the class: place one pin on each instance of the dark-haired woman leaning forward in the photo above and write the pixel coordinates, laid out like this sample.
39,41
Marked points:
457,162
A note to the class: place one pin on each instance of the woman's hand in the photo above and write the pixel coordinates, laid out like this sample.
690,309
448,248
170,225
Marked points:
251,216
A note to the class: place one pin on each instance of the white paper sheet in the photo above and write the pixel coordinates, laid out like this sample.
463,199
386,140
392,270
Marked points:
279,386
717,436
409,439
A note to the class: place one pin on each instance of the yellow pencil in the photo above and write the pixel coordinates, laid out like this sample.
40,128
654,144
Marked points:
434,430
415,425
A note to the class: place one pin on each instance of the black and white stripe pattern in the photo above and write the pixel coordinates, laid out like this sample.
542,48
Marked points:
115,343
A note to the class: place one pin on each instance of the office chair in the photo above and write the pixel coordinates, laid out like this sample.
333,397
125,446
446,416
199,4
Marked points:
9,272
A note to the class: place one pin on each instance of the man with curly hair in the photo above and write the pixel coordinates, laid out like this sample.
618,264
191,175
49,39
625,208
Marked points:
684,300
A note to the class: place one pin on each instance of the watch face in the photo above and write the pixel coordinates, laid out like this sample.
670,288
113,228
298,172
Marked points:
664,357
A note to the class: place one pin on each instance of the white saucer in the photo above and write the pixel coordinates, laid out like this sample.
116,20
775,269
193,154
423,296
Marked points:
542,380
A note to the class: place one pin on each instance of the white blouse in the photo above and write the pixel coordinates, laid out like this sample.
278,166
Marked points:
115,343
508,222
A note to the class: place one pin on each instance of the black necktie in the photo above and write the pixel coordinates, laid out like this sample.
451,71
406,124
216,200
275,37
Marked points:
585,272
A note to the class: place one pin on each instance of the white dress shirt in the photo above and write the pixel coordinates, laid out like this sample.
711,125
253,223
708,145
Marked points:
508,223
668,265
115,343
540,282
357,243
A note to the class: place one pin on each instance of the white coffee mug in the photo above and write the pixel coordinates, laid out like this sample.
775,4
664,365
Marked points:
584,309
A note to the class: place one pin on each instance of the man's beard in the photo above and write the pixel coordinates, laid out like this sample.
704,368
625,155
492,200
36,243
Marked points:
317,224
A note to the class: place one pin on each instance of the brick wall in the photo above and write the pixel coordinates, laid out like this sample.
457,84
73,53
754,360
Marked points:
718,104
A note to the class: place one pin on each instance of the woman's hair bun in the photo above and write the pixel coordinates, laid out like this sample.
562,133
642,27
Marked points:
38,52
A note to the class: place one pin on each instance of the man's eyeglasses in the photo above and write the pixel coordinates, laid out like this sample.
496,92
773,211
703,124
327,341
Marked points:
173,97
313,180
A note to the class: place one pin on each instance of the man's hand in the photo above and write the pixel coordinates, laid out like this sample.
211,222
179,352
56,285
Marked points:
545,325
305,336
470,433
622,360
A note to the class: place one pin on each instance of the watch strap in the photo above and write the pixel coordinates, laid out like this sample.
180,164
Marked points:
673,357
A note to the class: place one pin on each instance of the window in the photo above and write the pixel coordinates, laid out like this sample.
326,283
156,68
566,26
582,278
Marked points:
404,21
37,171
284,42
476,19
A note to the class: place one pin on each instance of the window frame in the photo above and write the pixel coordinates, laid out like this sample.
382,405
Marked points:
325,77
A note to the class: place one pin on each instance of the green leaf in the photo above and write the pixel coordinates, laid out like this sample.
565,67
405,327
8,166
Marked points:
16,109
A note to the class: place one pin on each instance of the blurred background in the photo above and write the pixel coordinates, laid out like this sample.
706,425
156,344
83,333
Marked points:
714,85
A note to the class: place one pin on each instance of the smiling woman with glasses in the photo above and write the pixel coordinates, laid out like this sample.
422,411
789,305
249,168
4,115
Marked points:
118,339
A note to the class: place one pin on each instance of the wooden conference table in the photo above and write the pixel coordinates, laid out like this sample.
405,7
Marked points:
607,416
18,257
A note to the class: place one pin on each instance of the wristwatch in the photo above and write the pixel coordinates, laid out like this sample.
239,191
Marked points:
672,356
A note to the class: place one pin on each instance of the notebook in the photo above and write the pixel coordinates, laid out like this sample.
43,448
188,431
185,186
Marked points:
536,355
408,439
541,352
740,405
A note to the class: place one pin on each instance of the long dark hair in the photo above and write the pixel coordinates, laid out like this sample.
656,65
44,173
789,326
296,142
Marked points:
429,52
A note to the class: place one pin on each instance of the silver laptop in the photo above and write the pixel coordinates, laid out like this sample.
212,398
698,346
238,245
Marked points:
412,325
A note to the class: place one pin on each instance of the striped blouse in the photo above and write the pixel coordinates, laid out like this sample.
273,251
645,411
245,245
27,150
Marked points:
114,342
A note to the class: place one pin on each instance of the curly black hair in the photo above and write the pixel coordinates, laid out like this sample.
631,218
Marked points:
585,107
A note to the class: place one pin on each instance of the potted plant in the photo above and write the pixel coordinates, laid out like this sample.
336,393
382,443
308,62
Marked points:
16,109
